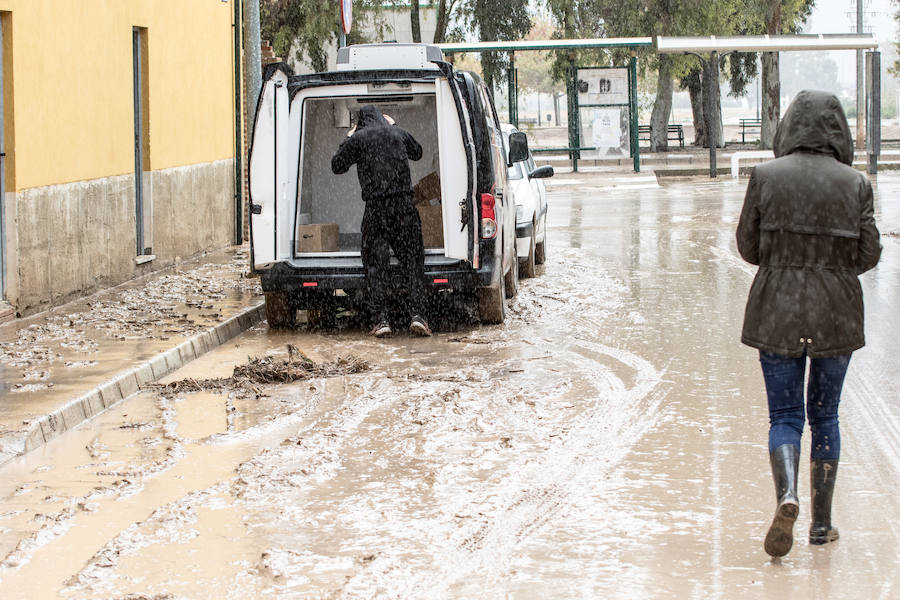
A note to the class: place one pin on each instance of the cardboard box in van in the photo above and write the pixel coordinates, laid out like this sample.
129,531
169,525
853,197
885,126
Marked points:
320,237
432,225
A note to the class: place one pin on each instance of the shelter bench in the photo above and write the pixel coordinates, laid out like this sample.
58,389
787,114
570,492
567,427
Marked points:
750,126
674,131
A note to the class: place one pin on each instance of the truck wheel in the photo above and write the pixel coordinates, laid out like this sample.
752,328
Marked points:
512,276
492,304
540,249
527,268
281,313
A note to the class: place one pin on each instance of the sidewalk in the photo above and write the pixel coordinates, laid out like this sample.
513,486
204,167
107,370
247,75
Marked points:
692,161
63,366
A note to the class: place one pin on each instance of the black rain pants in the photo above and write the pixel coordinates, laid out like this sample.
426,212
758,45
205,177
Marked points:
393,224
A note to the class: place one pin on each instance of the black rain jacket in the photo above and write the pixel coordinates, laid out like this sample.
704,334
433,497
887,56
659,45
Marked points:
380,152
808,222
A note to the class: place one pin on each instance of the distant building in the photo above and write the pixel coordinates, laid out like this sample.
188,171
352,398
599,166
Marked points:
118,128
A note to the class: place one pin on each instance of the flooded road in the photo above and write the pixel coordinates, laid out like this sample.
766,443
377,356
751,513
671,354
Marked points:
608,441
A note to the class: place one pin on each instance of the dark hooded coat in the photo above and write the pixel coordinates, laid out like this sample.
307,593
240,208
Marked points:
808,222
380,152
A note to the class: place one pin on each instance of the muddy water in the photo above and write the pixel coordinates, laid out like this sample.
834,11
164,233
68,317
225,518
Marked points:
608,441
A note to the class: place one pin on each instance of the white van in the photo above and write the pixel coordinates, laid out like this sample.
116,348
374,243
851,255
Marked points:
305,220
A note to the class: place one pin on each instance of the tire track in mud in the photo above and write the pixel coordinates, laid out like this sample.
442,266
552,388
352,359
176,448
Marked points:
539,488
534,491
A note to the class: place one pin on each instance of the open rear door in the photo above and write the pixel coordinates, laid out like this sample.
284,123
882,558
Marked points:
269,175
457,155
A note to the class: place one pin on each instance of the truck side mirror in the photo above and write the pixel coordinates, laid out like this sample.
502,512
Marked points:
518,147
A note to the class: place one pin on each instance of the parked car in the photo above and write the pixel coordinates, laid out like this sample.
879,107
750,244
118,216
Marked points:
526,180
305,221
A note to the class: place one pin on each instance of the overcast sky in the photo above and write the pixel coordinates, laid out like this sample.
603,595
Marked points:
839,16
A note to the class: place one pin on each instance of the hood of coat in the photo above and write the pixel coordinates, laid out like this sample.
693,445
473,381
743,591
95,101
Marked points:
815,122
370,116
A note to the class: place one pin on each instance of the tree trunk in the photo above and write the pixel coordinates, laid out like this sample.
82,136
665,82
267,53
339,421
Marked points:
440,27
695,90
662,107
712,106
414,21
771,98
771,79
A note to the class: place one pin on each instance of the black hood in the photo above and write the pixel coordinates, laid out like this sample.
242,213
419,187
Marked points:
370,116
815,122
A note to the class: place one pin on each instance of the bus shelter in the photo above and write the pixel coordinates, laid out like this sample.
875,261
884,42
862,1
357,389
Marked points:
602,101
711,49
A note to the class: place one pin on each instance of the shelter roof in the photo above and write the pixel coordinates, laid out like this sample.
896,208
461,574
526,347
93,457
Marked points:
767,43
628,42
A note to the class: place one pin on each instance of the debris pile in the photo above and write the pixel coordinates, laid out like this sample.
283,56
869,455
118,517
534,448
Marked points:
268,370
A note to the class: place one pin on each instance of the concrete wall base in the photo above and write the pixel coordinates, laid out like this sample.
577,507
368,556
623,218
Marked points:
73,239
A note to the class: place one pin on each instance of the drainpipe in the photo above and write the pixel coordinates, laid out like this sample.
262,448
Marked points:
238,237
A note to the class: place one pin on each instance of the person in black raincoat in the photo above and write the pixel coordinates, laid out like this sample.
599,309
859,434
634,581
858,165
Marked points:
381,152
808,222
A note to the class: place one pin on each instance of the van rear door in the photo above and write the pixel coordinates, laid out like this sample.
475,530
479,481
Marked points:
457,152
269,173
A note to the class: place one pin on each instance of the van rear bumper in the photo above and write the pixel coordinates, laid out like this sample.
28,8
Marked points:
457,276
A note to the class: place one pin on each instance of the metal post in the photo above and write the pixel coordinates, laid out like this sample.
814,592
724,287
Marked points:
252,57
238,169
711,80
632,108
512,91
572,102
873,112
137,86
860,83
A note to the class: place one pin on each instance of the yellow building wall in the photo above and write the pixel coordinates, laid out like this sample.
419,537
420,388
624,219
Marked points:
73,93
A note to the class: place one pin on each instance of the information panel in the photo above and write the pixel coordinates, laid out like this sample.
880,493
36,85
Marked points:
602,86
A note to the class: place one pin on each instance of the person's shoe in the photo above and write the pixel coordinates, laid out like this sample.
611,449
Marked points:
382,329
785,461
419,326
822,474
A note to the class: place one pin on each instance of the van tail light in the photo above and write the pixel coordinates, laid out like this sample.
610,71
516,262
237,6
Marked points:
488,217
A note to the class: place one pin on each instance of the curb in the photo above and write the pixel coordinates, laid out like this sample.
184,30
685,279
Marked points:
128,383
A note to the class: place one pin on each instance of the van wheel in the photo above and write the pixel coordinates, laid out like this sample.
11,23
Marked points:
321,310
492,304
540,249
281,313
527,268
512,276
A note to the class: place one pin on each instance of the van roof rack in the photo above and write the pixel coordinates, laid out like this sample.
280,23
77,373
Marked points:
391,55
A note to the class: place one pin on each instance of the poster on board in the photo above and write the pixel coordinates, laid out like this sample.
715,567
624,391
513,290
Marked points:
602,86
606,130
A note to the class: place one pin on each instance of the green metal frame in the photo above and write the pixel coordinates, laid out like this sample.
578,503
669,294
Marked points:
575,146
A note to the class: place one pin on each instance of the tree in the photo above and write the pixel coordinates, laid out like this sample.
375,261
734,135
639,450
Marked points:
301,29
778,16
414,21
533,68
497,21
895,69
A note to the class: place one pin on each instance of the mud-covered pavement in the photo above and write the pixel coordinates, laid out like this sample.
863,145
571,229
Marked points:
607,442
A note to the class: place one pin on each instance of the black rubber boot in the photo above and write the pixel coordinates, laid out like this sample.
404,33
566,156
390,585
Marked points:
822,474
785,462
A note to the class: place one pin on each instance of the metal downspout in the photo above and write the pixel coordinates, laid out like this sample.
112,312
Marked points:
238,130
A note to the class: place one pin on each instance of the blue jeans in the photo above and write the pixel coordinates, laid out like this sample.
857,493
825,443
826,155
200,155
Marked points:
784,388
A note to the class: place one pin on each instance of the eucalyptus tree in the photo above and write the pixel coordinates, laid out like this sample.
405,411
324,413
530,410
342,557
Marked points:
300,30
776,17
497,21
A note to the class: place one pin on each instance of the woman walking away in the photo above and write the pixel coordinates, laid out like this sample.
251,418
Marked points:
808,222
